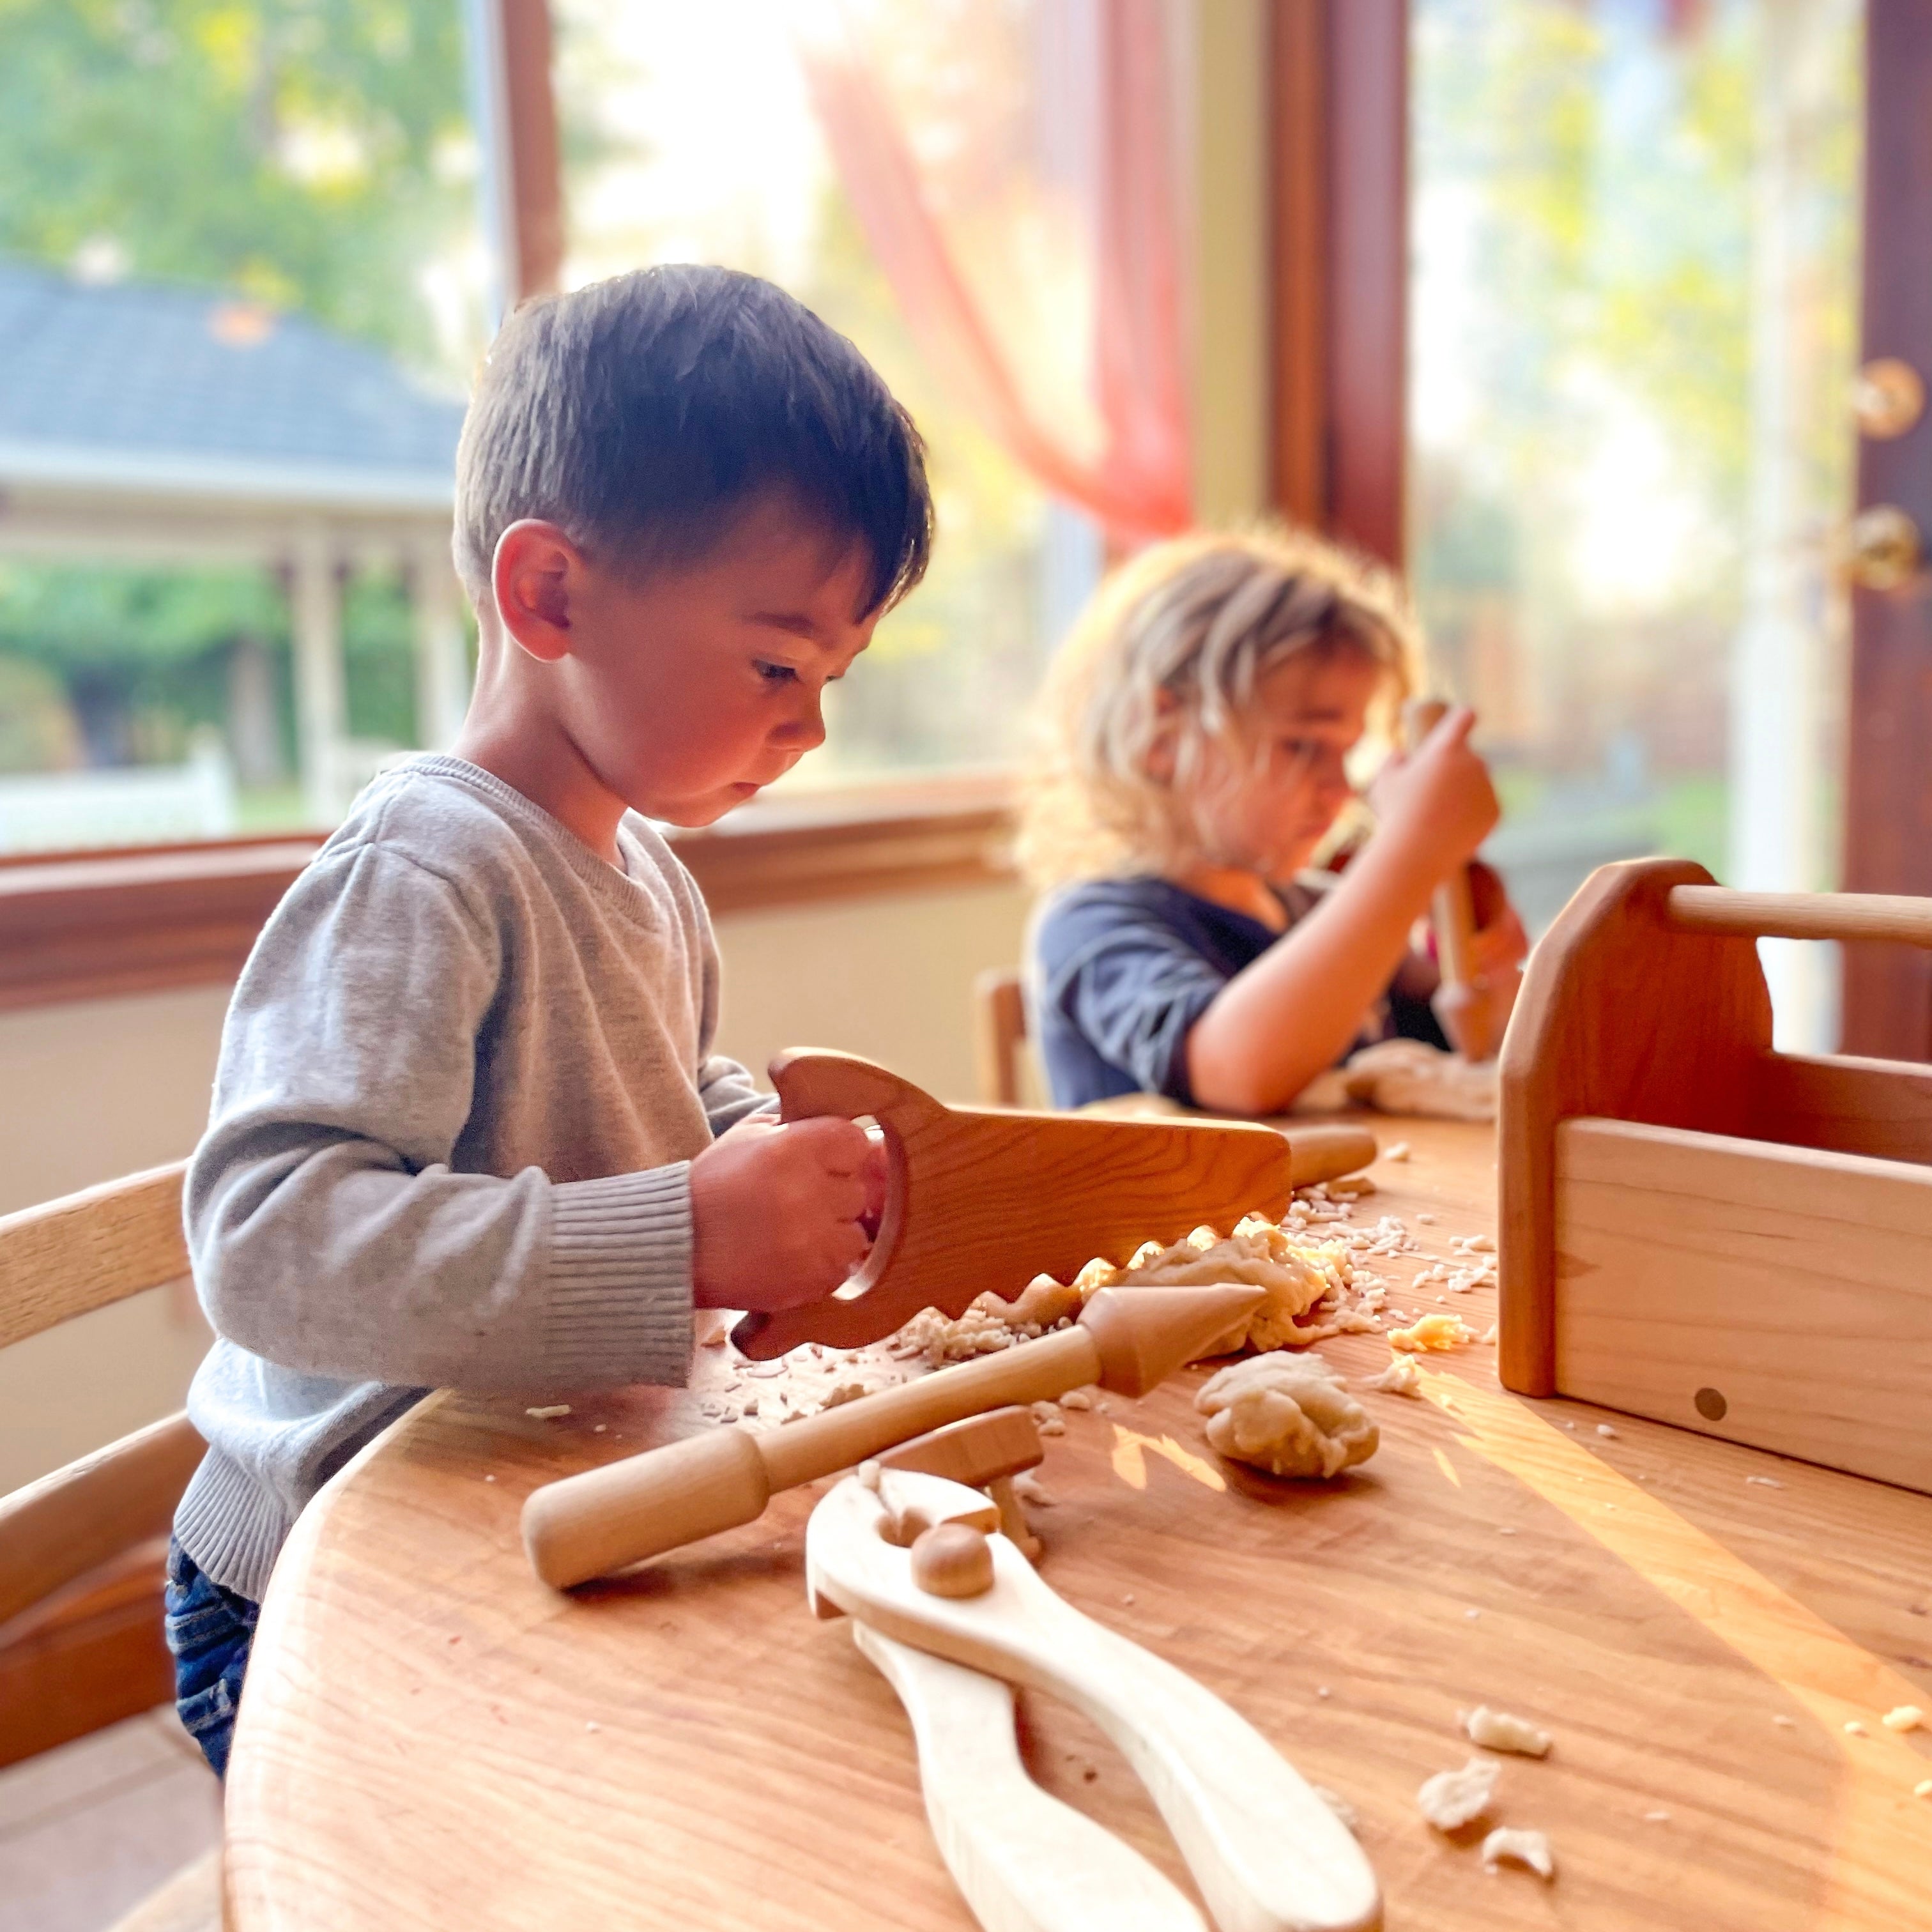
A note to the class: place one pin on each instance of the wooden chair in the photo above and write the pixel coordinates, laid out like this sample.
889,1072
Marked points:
999,1035
83,1552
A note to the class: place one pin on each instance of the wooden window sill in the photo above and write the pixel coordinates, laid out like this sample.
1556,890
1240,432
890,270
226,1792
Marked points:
89,926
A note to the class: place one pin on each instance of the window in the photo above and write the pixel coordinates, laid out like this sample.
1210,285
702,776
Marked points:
241,281
1632,330
689,134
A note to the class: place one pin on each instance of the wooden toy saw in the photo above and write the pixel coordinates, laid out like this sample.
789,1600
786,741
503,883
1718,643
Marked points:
984,1199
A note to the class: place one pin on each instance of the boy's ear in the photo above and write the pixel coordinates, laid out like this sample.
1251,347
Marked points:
532,577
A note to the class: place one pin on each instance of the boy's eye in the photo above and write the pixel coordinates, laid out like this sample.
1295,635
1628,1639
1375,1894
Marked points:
775,674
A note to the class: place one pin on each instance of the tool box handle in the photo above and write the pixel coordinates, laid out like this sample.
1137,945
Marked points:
1801,915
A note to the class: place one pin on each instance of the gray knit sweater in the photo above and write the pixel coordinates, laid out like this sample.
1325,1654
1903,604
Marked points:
464,1076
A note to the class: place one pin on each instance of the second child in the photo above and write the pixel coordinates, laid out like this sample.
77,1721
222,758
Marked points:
1198,725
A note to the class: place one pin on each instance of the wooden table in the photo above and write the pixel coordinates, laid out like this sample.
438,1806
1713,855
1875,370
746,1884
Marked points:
430,1738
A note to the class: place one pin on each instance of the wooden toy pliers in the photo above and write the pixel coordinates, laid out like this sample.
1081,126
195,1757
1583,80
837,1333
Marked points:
1268,1853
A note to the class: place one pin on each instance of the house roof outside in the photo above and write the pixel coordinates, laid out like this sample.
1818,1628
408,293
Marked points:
142,390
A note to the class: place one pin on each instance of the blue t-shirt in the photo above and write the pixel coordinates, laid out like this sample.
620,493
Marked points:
1122,968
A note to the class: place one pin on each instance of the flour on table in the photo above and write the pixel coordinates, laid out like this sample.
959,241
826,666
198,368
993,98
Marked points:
1292,1415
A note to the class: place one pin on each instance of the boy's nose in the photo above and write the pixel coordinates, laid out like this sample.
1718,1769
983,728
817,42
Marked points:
806,732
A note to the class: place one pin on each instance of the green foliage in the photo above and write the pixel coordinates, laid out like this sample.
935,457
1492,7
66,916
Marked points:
312,154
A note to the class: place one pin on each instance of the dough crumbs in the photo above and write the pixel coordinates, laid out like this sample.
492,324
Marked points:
1399,1152
1783,1723
1292,1415
1905,1718
549,1411
1076,1399
1322,1690
1401,1377
1853,1729
1765,1482
489,1479
1497,1731
592,1724
1029,1489
1923,1789
845,1392
1656,1817
1053,1426
1604,1429
1339,1805
1530,1849
869,1475
1451,1799
1313,1291
1432,1333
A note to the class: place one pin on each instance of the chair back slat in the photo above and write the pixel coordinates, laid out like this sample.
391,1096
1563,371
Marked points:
58,1529
999,1035
68,1257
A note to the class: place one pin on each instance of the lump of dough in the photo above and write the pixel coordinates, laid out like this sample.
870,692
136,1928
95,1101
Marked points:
1292,1415
1529,1849
1497,1731
1408,1076
1309,1284
1452,1798
1431,1332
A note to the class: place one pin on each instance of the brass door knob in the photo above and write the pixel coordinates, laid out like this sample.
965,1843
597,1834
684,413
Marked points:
1885,549
1888,398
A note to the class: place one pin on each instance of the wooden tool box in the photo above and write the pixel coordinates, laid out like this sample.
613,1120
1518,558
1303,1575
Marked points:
1695,1227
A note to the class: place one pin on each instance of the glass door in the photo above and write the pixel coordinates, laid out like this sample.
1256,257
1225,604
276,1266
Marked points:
1633,332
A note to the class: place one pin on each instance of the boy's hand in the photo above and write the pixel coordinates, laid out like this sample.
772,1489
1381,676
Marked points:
1438,798
775,1209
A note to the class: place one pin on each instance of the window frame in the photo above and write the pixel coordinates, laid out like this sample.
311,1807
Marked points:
106,924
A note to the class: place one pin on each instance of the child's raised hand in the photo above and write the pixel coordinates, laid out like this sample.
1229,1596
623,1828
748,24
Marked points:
1499,944
775,1210
1438,798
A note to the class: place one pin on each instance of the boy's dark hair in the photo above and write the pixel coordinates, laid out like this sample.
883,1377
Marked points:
640,415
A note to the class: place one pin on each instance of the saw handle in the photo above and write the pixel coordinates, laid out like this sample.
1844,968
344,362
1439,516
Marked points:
815,1082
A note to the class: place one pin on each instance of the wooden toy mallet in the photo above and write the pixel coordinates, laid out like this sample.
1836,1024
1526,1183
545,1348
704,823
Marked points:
604,1520
1473,1012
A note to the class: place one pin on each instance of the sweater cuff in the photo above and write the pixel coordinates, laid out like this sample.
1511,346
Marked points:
618,1305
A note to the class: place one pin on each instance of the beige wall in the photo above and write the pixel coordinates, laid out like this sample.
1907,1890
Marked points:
94,1091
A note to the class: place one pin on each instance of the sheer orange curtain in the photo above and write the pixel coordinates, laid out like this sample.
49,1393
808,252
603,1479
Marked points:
1018,174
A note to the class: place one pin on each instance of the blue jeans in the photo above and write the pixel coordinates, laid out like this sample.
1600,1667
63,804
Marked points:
209,1630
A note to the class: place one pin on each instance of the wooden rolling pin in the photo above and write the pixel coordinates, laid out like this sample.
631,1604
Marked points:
1126,1339
1474,1013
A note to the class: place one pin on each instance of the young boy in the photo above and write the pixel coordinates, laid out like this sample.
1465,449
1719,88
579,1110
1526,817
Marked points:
468,1130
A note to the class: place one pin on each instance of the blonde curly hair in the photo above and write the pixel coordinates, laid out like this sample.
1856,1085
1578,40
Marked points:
1184,633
